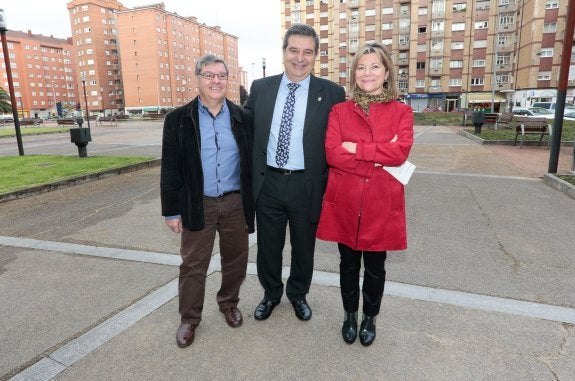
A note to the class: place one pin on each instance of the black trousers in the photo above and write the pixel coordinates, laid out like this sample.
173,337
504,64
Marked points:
373,279
282,202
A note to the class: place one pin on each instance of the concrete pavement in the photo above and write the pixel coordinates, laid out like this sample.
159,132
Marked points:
484,292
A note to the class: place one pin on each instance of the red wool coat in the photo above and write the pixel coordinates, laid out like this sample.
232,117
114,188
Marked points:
364,206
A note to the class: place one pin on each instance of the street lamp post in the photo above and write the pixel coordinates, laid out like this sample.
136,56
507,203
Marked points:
264,67
3,29
85,99
54,98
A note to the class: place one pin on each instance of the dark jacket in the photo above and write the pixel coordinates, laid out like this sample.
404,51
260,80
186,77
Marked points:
182,178
322,95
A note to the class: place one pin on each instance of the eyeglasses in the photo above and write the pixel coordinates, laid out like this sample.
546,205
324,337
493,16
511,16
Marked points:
211,76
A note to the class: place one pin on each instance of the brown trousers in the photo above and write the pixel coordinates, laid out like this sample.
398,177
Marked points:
225,216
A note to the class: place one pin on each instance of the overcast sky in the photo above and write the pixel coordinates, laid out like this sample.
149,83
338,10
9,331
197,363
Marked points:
255,22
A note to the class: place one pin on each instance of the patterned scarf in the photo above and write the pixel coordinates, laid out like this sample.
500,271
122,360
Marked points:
364,100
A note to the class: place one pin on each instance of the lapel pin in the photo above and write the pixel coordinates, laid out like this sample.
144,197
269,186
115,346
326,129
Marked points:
319,99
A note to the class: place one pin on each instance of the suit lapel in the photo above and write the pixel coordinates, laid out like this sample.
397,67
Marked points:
315,99
270,93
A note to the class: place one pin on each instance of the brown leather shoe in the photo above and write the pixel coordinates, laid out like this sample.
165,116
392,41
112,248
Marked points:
233,317
185,335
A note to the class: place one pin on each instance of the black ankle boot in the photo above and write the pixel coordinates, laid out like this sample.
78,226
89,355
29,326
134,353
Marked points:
349,328
367,330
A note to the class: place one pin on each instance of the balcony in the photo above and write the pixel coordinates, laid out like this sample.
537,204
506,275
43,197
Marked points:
353,4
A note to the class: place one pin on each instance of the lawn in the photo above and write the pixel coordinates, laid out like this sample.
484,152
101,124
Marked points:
10,131
487,131
19,172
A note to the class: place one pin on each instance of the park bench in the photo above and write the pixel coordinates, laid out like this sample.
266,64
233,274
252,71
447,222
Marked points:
66,121
491,118
109,119
504,120
525,125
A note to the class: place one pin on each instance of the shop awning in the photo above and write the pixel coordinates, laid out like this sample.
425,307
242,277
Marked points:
484,98
151,108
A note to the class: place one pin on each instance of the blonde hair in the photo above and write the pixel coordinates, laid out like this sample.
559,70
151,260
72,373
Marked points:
390,84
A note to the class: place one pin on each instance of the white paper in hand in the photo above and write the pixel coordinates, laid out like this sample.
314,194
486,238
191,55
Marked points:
403,172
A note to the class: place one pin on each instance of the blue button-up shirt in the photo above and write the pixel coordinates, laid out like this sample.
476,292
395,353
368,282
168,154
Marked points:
296,158
220,154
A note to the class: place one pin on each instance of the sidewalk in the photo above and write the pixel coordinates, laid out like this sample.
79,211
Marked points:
484,291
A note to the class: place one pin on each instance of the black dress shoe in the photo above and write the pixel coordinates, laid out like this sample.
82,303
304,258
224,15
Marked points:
302,309
367,331
264,309
349,328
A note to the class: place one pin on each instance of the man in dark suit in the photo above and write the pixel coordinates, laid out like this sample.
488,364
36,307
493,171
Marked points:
289,114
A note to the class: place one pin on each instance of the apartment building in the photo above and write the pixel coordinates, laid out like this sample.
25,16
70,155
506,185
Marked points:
43,73
95,39
142,59
159,51
449,53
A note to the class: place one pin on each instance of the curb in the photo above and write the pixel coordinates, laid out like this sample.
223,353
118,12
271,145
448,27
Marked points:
27,192
561,185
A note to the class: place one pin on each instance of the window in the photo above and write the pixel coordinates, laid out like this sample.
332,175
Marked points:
546,52
552,4
387,26
477,81
422,29
502,79
550,27
404,38
481,25
437,44
544,76
455,64
455,82
437,26
478,63
458,45
438,7
503,59
504,39
422,11
479,44
420,83
421,48
369,12
458,26
385,11
435,82
436,63
420,65
459,7
506,19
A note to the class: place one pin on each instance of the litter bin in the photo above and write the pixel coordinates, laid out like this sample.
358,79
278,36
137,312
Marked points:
80,137
478,120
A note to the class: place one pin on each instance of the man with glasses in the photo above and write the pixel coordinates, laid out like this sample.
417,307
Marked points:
289,113
206,188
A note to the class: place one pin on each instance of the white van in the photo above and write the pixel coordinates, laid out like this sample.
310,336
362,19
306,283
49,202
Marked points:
551,106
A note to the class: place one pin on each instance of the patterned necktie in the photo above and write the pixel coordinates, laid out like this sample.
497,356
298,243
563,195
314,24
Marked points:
282,150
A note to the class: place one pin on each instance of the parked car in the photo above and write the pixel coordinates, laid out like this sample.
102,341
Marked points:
569,116
535,112
551,106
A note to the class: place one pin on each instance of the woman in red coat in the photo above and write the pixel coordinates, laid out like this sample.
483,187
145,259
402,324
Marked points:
364,206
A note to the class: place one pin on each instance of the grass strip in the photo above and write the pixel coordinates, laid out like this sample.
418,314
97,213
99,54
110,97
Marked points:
10,131
20,172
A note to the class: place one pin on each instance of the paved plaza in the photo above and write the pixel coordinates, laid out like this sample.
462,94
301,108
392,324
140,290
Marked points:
484,292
